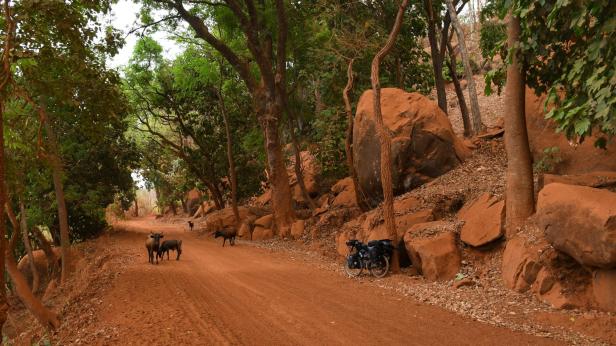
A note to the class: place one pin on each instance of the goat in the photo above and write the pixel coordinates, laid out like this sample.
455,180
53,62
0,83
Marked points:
226,234
152,244
167,245
191,225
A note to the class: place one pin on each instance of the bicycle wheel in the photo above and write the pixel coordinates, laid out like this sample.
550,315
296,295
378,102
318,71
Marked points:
353,272
380,267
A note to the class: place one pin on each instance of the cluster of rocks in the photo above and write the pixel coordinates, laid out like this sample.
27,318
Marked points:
567,253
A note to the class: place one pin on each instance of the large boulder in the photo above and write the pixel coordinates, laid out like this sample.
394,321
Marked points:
193,201
311,171
424,145
436,257
483,220
582,158
224,219
580,221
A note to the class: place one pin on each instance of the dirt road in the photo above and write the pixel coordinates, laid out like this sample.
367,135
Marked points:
246,295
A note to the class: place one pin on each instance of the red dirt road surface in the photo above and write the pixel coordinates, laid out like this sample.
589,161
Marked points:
246,295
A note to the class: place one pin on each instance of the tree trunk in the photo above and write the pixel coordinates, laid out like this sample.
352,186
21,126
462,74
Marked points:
437,63
299,174
359,196
4,307
57,173
478,126
282,203
46,317
136,207
232,172
520,203
28,246
451,64
385,140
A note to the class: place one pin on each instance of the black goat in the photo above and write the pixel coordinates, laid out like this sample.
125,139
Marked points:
152,244
191,225
167,245
226,234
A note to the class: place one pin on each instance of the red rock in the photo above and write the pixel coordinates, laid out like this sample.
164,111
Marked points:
542,134
580,221
559,298
424,145
405,222
466,282
193,201
244,232
520,265
265,221
311,172
437,258
604,289
261,233
592,179
341,247
344,193
265,198
404,204
483,220
297,230
224,219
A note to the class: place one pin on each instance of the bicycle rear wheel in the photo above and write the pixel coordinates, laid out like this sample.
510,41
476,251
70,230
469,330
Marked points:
380,267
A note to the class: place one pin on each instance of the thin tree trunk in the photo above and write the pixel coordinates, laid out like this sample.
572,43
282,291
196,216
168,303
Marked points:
386,175
4,307
437,62
232,172
299,174
472,92
451,64
28,246
136,206
520,203
57,173
359,196
6,80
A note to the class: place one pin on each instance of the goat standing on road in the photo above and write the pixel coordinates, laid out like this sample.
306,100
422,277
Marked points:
167,245
226,234
191,225
152,244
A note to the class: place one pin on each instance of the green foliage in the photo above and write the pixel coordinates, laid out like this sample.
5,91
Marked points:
59,61
570,48
550,158
329,132
493,36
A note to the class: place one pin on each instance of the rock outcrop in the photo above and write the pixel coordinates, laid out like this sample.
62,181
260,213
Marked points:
424,145
580,221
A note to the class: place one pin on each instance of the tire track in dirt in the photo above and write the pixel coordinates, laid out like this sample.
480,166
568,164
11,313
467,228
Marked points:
245,295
